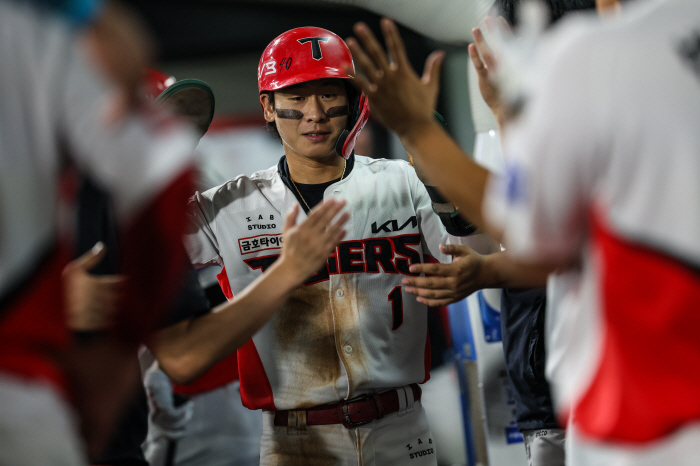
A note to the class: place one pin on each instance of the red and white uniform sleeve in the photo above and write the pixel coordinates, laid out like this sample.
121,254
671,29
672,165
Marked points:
200,241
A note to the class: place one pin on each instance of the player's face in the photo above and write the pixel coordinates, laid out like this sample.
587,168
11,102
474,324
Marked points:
310,116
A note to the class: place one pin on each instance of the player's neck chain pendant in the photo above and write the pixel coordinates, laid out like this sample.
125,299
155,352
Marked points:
302,197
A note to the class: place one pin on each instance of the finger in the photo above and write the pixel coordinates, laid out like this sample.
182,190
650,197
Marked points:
430,294
490,24
484,48
432,269
431,72
92,257
339,235
104,308
476,60
456,250
363,84
365,64
321,215
291,218
110,295
107,304
437,302
394,43
431,283
116,278
503,26
372,47
330,237
433,66
358,80
498,25
338,224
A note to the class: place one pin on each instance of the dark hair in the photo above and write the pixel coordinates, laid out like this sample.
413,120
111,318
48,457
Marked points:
353,97
557,8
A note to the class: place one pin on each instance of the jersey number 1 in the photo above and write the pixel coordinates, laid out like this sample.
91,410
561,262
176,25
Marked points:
396,307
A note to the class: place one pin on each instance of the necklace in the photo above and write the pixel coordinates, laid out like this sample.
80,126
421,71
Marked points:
299,193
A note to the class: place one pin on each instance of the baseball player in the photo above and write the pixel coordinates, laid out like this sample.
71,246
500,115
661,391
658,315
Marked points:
584,154
337,369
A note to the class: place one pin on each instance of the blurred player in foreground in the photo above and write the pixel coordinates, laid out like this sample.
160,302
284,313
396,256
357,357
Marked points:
58,99
583,154
68,86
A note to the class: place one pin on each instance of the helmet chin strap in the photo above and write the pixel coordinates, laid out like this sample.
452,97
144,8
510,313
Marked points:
340,143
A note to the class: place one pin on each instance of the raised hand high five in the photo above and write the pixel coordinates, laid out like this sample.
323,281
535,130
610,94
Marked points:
399,98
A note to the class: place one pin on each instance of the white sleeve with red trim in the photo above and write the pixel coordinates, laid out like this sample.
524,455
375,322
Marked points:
200,241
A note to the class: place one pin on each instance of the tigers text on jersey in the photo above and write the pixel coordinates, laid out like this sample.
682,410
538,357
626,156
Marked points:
350,329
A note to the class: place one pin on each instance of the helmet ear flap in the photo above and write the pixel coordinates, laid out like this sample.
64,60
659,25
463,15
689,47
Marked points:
346,142
340,144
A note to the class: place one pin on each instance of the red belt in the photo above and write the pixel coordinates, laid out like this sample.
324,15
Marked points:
352,413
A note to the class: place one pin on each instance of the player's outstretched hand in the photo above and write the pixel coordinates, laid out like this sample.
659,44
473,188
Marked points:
91,300
399,98
450,282
307,246
485,62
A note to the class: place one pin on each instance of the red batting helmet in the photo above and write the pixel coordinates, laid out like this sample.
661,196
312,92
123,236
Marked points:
308,53
190,98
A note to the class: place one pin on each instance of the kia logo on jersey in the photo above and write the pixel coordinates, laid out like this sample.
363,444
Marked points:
393,225
316,53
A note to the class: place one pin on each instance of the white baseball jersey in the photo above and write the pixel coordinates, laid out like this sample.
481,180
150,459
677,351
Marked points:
351,329
604,165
